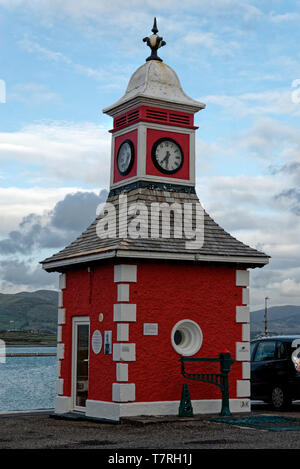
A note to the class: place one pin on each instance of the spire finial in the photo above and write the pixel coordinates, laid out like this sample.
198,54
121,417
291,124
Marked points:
154,42
154,29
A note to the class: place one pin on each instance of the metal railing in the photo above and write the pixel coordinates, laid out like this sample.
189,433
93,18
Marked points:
218,379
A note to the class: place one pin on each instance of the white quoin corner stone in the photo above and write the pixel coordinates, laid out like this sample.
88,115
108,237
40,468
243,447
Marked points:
62,281
60,351
246,332
59,333
123,332
125,273
245,296
58,368
59,386
123,292
124,352
246,370
243,388
124,312
242,351
242,278
60,299
123,392
242,314
122,371
61,319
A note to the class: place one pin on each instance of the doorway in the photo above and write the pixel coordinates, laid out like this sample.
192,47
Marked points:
80,362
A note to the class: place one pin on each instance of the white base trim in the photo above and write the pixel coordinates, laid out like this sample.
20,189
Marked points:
114,411
63,404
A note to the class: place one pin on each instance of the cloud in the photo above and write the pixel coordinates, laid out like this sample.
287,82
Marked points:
19,275
55,228
33,93
287,288
265,103
93,8
269,140
211,42
76,211
284,17
248,208
290,197
60,151
16,203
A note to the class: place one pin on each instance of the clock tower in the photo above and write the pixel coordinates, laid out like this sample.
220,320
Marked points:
153,135
135,292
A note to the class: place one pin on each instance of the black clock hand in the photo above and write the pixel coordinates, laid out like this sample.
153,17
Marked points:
166,159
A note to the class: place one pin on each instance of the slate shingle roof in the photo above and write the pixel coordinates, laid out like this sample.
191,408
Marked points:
217,242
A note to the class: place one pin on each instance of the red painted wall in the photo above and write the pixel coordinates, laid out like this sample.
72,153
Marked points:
164,294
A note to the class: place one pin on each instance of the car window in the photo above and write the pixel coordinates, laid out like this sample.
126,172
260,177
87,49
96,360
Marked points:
281,350
252,347
265,351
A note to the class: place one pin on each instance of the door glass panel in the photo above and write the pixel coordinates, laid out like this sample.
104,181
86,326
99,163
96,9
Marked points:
82,364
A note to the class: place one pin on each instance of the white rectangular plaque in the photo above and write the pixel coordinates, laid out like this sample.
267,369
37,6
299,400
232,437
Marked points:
150,328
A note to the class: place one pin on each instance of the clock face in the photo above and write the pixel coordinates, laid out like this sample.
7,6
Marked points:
167,156
125,157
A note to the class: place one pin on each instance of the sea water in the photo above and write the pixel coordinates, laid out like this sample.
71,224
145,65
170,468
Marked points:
27,383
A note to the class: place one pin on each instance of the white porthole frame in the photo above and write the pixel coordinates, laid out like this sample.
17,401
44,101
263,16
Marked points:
192,337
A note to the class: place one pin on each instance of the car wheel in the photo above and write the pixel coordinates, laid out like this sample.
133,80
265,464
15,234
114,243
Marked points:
279,398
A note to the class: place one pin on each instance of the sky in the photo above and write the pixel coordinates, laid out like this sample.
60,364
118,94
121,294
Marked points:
63,61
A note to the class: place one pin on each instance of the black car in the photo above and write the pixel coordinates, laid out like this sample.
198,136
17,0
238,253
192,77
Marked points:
275,370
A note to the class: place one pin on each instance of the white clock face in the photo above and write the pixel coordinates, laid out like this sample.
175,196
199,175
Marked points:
167,156
125,157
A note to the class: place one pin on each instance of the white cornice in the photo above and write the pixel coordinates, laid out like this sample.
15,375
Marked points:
58,265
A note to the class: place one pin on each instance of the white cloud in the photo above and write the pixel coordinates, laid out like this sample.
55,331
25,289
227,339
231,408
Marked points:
211,42
32,93
284,17
16,203
56,56
287,288
247,208
61,151
98,9
271,102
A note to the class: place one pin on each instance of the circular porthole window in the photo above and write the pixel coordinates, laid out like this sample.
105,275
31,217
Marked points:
186,337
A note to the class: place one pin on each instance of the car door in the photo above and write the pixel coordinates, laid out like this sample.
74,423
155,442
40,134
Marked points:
263,369
282,367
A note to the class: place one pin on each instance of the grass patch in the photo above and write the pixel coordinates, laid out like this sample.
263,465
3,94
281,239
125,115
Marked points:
28,338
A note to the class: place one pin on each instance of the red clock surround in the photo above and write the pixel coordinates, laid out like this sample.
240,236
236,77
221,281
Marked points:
182,139
133,136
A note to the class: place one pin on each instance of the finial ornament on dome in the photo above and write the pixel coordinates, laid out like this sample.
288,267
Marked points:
154,42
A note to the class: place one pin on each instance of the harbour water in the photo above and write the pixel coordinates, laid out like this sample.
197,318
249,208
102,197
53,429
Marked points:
28,382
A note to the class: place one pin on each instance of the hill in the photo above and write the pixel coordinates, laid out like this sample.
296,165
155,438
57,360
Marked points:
37,311
281,320
29,311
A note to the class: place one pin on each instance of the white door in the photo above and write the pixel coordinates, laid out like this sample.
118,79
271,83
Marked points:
80,362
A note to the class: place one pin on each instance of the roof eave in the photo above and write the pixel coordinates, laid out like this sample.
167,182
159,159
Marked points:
124,105
62,264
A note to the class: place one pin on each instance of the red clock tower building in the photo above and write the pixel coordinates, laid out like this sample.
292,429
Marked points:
154,277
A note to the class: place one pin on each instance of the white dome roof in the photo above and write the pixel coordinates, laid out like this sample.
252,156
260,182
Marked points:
155,81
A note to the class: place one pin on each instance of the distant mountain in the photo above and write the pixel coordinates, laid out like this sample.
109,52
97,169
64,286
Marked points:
281,320
29,311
